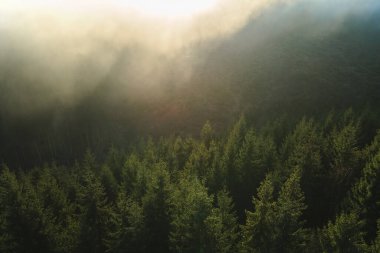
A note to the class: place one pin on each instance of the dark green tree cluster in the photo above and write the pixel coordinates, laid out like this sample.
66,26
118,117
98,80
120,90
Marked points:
314,188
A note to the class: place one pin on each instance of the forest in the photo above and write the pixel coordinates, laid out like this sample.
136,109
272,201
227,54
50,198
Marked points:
202,126
311,187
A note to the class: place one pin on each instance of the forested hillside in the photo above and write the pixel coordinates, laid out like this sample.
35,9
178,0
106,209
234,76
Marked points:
313,187
190,126
288,62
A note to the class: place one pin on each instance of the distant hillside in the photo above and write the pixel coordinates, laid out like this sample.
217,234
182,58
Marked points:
288,61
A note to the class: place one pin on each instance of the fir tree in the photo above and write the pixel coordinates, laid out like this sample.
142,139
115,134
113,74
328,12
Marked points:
222,226
97,219
156,210
190,207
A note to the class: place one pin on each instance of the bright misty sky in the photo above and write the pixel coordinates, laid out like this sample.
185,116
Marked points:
160,25
170,8
73,45
158,8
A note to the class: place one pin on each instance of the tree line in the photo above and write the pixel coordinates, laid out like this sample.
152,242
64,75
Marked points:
314,187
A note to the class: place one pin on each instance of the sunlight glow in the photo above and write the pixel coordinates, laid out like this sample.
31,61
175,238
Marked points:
160,26
170,8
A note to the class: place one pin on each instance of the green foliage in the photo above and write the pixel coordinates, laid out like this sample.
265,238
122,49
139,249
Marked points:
155,204
109,182
303,147
184,194
97,218
221,225
375,247
344,235
62,228
365,194
9,212
190,207
207,133
344,155
291,206
276,225
259,229
129,233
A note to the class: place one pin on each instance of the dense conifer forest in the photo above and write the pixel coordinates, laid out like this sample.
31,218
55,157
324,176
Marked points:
311,187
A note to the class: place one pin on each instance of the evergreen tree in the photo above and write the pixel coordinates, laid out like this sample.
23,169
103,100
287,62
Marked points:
35,224
199,161
156,210
375,246
215,180
190,207
304,149
364,196
259,230
61,227
276,226
231,165
134,176
344,157
9,212
344,235
292,235
222,226
129,234
109,182
114,161
97,219
207,134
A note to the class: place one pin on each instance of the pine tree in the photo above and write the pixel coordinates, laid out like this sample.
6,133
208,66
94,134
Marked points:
109,182
61,227
276,226
89,161
134,176
200,161
114,161
97,219
304,149
215,181
259,230
207,134
364,196
129,235
344,235
222,226
156,210
292,235
190,205
9,212
375,246
231,164
34,223
344,155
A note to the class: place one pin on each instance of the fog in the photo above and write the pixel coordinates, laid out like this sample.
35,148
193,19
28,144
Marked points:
75,66
54,52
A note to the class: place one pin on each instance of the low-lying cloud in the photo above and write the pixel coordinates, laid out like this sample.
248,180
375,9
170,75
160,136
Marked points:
54,52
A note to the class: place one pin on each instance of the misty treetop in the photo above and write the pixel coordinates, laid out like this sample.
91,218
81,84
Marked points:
312,188
120,128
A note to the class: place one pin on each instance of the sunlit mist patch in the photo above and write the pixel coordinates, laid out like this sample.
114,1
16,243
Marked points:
160,25
170,8
59,51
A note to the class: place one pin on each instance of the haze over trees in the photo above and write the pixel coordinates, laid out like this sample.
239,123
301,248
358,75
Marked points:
265,138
